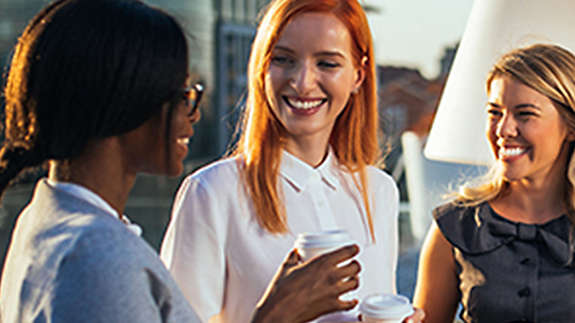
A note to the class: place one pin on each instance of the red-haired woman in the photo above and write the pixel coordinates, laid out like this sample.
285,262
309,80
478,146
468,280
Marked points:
304,162
73,255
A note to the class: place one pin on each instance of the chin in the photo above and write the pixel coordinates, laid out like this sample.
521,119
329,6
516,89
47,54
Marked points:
511,177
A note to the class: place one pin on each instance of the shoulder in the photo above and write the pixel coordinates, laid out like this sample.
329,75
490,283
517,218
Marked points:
210,194
219,174
379,176
107,243
111,258
108,269
220,168
467,227
83,246
452,209
70,227
381,182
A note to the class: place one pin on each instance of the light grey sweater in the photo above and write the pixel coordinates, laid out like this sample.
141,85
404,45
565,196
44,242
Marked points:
70,262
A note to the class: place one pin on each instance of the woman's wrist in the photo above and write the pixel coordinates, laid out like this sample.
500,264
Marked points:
268,313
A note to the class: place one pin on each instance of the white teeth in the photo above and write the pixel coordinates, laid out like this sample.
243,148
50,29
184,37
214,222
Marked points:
510,152
305,105
183,141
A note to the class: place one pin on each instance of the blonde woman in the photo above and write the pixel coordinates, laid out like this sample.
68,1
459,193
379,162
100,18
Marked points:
504,249
304,163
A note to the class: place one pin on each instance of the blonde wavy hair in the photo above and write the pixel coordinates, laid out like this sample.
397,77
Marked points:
354,138
549,70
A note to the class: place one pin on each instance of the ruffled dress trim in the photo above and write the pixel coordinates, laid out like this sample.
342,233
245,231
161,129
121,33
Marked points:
479,230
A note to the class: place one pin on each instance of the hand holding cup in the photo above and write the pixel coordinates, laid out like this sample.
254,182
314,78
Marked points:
303,291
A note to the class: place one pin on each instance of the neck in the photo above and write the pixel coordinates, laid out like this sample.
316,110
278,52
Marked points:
531,204
100,170
535,200
310,149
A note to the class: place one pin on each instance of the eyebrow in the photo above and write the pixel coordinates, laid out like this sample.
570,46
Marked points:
527,105
518,106
330,53
285,49
321,53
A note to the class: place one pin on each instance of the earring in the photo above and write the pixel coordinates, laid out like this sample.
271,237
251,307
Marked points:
355,91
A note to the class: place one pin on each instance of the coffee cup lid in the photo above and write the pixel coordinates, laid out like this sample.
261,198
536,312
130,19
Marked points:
323,239
386,306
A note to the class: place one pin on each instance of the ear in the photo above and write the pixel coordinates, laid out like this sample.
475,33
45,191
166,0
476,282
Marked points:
571,136
360,75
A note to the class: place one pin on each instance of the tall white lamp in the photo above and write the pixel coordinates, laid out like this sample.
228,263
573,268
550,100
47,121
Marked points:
494,28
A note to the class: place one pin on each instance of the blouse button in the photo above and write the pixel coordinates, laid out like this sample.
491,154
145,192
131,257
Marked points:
524,292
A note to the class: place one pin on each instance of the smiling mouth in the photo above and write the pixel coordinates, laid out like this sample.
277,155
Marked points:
307,104
511,152
184,141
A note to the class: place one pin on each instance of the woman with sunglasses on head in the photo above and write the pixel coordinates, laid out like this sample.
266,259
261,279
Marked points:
97,89
504,248
304,163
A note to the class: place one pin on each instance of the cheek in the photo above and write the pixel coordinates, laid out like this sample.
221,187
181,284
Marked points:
274,78
344,80
491,133
271,89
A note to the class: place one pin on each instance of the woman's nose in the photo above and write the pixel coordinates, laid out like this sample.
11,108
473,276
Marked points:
303,78
507,126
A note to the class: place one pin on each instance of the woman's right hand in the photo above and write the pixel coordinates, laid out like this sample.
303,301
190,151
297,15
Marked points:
301,292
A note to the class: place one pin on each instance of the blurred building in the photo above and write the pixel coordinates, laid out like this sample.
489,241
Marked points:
407,100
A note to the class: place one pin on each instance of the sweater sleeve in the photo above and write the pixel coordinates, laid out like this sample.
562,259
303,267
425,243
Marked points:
193,247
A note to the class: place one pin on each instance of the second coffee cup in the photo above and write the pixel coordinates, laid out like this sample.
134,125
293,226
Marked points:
385,308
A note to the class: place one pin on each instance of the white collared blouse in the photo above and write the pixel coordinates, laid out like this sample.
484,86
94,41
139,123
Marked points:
223,260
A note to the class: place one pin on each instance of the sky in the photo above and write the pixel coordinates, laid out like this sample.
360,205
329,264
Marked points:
413,33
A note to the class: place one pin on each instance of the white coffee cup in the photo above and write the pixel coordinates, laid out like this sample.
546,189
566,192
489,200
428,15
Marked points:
313,244
385,308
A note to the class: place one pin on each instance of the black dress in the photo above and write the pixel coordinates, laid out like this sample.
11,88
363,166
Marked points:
508,271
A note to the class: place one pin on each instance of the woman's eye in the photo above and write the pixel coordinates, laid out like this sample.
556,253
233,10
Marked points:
328,64
280,60
494,113
526,114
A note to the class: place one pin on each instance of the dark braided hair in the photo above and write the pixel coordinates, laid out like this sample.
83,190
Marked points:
85,70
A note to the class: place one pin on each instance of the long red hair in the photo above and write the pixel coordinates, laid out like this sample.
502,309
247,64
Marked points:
354,138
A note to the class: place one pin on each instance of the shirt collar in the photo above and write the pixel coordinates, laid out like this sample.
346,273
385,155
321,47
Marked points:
87,195
300,174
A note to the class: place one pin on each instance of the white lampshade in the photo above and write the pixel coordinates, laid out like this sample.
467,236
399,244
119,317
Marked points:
494,28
